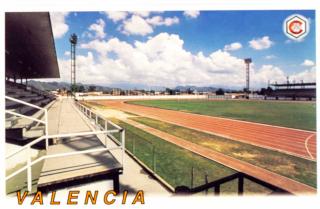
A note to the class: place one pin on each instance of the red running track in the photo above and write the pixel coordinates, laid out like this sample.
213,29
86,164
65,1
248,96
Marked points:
292,141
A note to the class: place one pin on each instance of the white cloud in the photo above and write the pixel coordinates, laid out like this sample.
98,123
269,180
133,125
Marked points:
141,13
233,46
67,53
269,57
116,16
191,14
158,21
261,43
163,61
136,25
100,46
59,26
260,77
308,75
307,63
98,28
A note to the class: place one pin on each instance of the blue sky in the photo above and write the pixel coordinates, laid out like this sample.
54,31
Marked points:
208,32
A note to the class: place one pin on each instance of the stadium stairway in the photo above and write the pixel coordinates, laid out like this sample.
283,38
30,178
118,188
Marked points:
22,130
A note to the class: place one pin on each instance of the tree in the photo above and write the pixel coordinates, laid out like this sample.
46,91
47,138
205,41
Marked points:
170,91
92,88
220,92
74,88
81,88
189,91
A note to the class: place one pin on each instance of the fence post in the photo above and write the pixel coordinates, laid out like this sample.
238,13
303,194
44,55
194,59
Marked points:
217,190
46,128
192,171
133,146
96,118
123,135
240,184
154,159
206,181
29,172
106,129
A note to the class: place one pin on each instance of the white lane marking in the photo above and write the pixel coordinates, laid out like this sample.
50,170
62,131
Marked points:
306,145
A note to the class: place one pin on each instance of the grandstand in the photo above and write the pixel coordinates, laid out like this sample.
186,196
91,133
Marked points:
18,128
30,54
33,116
294,91
43,130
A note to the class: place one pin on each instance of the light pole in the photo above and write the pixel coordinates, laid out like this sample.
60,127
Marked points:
73,40
247,61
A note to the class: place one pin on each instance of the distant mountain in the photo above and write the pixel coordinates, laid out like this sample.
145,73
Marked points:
50,86
196,88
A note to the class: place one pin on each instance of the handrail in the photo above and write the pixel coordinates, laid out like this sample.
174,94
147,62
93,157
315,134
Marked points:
88,109
31,118
30,163
25,116
57,136
85,110
59,155
46,137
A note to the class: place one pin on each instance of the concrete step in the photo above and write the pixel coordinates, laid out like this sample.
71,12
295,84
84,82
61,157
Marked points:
11,121
27,110
21,134
22,94
33,133
12,104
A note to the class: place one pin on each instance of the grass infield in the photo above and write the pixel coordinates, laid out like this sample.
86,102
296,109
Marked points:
174,164
299,169
301,115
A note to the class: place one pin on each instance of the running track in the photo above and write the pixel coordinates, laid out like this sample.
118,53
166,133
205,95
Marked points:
292,141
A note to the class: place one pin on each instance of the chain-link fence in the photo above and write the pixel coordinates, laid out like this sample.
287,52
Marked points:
175,165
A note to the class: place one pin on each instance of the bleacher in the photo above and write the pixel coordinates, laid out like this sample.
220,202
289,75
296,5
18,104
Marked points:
294,91
29,54
18,128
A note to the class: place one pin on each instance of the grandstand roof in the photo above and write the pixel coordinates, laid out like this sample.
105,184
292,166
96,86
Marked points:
30,49
293,84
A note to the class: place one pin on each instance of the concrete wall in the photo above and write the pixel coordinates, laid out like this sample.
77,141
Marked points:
141,97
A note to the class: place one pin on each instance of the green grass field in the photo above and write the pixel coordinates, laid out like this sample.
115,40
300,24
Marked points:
301,115
174,164
19,182
293,167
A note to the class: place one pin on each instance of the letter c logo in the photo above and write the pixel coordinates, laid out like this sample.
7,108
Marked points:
295,27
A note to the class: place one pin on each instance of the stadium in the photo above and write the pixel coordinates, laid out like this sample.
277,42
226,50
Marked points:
168,143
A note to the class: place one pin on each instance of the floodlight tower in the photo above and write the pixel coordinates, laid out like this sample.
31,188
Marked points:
247,61
73,40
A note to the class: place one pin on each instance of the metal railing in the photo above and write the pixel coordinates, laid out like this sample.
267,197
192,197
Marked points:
28,146
30,163
45,121
96,117
215,185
